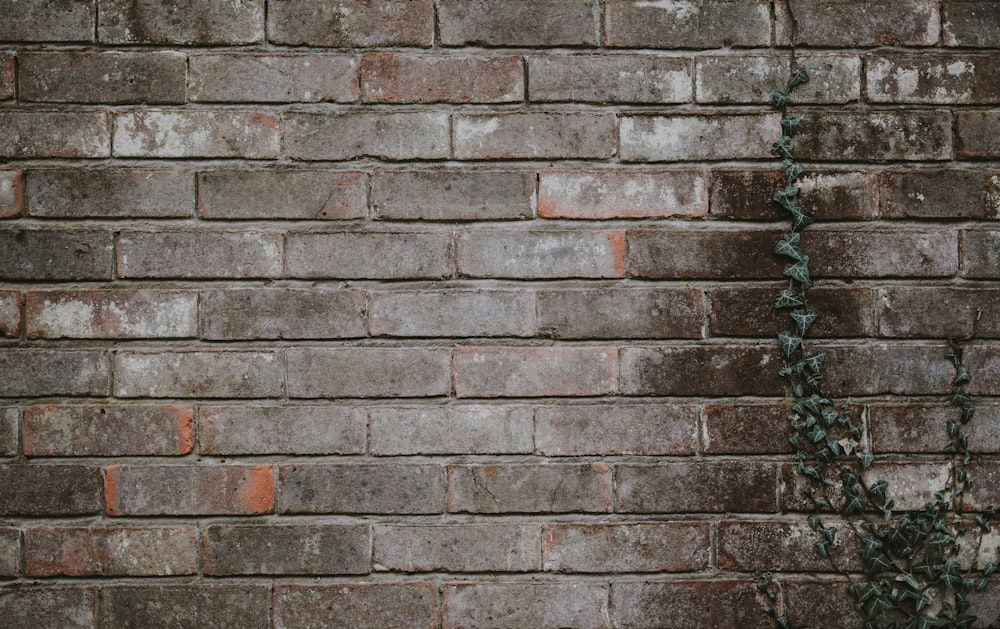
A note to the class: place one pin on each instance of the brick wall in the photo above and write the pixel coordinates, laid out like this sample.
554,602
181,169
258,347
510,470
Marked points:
456,313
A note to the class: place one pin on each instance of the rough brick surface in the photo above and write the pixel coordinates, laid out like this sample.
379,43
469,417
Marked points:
11,193
541,254
198,22
83,551
191,374
10,314
40,607
369,255
974,139
679,604
278,78
397,78
402,488
127,192
660,547
38,373
458,548
693,137
933,193
178,254
957,78
352,135
50,490
57,21
10,553
616,79
882,135
367,372
474,429
970,23
621,313
111,314
529,488
858,22
162,133
825,195
607,194
680,24
111,77
751,78
535,371
411,605
282,314
189,490
453,195
10,417
619,429
229,430
185,606
511,605
348,23
256,549
730,486
519,23
451,313
28,134
534,135
90,430
282,194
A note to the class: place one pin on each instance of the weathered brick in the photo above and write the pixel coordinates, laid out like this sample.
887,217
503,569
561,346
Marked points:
119,430
221,133
949,193
983,360
887,368
453,195
512,605
911,485
10,417
55,20
41,255
922,428
953,79
857,23
10,553
197,254
351,23
368,372
407,78
826,599
976,134
25,134
522,23
10,313
535,371
453,313
102,77
282,194
37,372
273,78
527,488
826,195
876,136
11,193
458,547
749,311
185,606
725,604
608,194
298,549
93,193
833,78
235,430
358,134
358,605
49,490
745,429
186,22
697,137
104,551
191,373
984,494
681,24
707,487
938,312
33,607
785,545
401,488
641,547
282,313
7,88
980,254
369,255
621,313
189,490
531,135
971,23
850,252
541,254
719,370
646,429
615,79
111,314
450,429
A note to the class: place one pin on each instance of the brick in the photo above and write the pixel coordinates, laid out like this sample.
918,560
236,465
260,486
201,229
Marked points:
513,605
50,490
643,547
282,313
7,90
273,78
705,487
922,428
697,137
980,254
453,313
10,553
82,134
360,134
975,134
609,194
745,429
407,78
298,549
111,314
644,429
858,23
185,22
119,192
458,548
621,313
971,23
450,430
958,79
938,312
136,490
368,372
502,23
876,136
351,23
369,255
119,430
104,551
535,371
198,254
551,254
358,605
10,313
950,193
911,485
37,372
984,361
399,488
829,600
185,606
826,195
34,607
721,370
785,545
102,77
41,255
10,417
874,253
610,79
983,494
684,603
59,20
528,488
750,78
221,133
534,135
749,311
236,430
887,368
282,194
681,24
11,193
190,373
453,195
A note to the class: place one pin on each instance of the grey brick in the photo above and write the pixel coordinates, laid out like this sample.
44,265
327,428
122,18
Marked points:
125,192
400,488
197,22
273,78
103,77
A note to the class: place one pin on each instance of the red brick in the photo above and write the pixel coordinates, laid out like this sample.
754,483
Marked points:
547,254
50,490
458,548
938,312
111,314
922,428
282,194
952,79
368,372
878,136
221,133
534,135
189,490
188,373
197,605
720,369
702,487
697,137
529,488
351,23
640,547
826,599
826,195
750,78
980,254
745,429
120,430
624,313
321,549
110,192
948,193
452,313
749,311
198,22
357,605
609,194
282,313
10,420
614,79
400,488
407,78
502,23
39,372
71,134
676,24
453,195
681,604
782,545
35,607
104,551
370,255
465,429
858,23
10,313
971,23
311,136
976,137
10,553
645,429
102,77
199,254
11,193
887,368
235,430
6,76
55,21
540,605
273,78
535,371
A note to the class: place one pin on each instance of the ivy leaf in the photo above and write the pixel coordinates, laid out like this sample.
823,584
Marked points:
782,147
799,218
799,271
793,170
785,195
962,375
798,78
804,319
780,99
814,522
789,343
789,124
821,546
866,459
788,299
789,247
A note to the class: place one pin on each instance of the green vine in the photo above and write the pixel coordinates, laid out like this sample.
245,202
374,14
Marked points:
914,573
